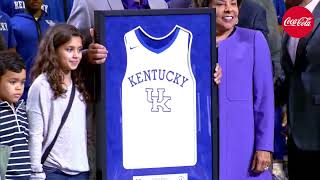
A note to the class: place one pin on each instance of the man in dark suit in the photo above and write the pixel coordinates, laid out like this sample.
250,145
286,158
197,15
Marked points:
300,62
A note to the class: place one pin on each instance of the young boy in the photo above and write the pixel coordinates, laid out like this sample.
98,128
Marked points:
13,118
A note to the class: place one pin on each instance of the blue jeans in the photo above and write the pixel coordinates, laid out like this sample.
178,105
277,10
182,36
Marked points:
56,174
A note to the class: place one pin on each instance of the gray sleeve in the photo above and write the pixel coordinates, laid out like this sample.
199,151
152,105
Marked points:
274,35
82,12
80,16
179,3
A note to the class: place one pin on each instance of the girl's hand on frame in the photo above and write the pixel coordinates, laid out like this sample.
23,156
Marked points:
217,74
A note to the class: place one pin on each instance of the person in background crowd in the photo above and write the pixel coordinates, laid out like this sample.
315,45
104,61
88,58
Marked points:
301,89
253,16
246,107
280,9
82,15
57,10
291,3
7,31
268,25
13,118
13,7
28,29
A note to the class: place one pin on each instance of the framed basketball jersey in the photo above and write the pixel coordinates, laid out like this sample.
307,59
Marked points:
157,105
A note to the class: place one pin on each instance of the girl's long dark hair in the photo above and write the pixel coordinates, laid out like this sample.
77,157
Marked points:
47,60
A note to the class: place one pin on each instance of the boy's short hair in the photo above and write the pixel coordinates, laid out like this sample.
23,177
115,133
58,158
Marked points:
10,61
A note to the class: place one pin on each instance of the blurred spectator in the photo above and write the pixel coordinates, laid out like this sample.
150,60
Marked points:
57,10
28,28
280,9
13,7
253,16
273,35
81,14
291,3
7,31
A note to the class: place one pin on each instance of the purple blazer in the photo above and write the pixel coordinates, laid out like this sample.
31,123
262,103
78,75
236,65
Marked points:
246,103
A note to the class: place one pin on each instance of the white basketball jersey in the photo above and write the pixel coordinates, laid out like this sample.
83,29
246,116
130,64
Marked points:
159,102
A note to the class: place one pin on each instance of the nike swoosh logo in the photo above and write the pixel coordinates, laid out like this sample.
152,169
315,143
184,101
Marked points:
133,47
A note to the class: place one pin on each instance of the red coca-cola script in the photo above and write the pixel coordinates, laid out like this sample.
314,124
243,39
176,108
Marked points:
298,22
304,21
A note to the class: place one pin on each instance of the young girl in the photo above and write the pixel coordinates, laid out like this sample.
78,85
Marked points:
54,74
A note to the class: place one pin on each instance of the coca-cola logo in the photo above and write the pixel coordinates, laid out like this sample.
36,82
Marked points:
304,21
298,22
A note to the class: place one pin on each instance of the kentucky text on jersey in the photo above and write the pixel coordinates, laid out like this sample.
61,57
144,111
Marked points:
157,74
19,5
3,27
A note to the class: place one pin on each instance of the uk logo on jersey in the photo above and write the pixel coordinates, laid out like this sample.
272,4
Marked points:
158,100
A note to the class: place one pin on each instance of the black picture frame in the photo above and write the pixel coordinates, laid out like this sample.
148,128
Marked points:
110,27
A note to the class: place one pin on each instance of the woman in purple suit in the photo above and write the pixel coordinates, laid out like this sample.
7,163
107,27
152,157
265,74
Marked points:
246,101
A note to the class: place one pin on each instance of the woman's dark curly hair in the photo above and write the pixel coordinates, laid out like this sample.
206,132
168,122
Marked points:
206,3
47,60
